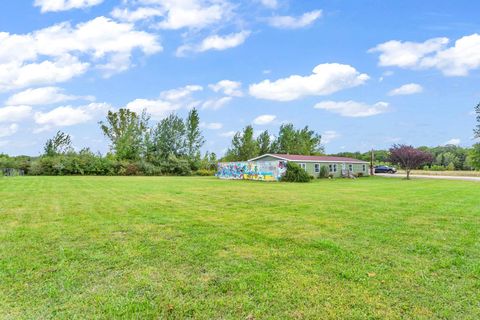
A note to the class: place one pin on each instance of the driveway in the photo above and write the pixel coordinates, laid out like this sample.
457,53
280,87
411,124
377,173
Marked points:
401,175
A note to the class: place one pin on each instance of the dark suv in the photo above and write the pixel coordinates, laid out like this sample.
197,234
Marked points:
385,169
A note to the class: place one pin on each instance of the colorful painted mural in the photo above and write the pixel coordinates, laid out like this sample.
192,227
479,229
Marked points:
261,171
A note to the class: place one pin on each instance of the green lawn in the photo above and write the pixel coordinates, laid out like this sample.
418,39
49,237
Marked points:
201,248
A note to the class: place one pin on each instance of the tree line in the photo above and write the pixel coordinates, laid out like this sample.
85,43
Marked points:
171,147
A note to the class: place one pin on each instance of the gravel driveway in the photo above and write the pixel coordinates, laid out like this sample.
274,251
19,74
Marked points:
401,175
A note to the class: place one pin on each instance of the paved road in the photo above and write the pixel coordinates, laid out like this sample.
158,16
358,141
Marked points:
400,175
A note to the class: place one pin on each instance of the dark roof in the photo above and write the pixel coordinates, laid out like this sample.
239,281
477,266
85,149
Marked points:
297,157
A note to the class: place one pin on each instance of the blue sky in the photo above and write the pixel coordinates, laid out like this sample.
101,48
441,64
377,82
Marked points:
363,73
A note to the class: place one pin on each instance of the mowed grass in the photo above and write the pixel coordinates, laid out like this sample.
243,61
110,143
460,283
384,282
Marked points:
202,248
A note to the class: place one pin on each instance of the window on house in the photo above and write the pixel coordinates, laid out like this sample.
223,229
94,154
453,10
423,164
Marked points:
303,166
350,167
317,167
333,167
364,168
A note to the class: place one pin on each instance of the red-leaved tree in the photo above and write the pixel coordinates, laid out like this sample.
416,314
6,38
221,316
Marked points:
408,158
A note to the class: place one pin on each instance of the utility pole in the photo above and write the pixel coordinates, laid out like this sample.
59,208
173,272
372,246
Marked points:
372,172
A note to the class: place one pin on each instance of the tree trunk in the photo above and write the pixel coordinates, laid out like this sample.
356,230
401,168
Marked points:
408,174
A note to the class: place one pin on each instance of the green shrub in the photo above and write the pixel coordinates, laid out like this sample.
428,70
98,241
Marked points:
323,172
295,173
205,173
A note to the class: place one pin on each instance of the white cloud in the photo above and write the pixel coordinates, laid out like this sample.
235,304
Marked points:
158,109
456,60
42,96
17,75
58,53
176,14
227,134
330,135
211,125
8,130
68,116
406,89
215,42
353,108
168,102
289,22
142,13
264,119
326,79
272,4
63,5
454,141
228,87
14,113
216,104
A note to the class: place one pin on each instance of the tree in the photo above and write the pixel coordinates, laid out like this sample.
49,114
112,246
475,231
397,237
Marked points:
474,156
293,141
244,146
169,138
61,143
476,131
193,137
263,141
408,158
126,131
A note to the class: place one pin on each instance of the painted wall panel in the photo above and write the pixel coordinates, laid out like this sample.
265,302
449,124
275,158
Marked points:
255,170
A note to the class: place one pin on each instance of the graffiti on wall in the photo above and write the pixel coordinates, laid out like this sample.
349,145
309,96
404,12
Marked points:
261,170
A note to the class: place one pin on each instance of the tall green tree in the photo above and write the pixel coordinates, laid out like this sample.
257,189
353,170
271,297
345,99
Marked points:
297,141
194,139
169,138
61,143
126,131
476,131
244,146
264,144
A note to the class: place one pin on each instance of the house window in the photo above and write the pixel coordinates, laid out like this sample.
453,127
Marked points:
350,167
364,168
317,167
333,167
303,166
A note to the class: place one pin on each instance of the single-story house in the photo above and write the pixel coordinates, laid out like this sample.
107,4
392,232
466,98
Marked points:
336,166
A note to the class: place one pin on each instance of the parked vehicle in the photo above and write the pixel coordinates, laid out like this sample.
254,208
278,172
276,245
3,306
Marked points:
385,169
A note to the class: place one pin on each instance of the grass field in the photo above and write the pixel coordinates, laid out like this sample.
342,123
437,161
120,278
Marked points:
201,248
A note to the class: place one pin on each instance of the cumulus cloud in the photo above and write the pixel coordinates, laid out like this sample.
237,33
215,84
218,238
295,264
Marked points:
42,96
326,79
454,141
9,130
58,53
64,5
169,101
406,89
14,113
215,42
68,116
264,119
174,14
211,125
352,108
228,87
329,135
216,103
456,60
289,22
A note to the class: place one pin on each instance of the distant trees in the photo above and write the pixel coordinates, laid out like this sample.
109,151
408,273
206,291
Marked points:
126,131
476,131
61,143
289,140
408,158
475,152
